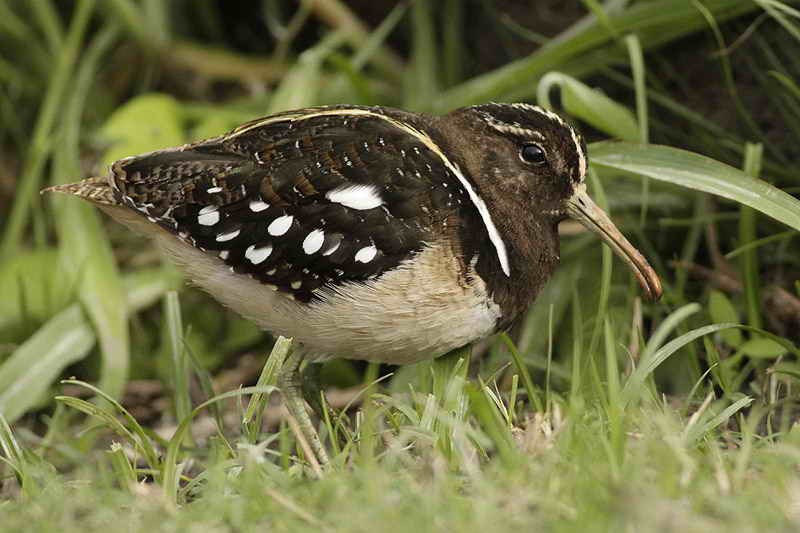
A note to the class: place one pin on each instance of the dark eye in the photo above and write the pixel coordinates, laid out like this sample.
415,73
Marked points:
533,154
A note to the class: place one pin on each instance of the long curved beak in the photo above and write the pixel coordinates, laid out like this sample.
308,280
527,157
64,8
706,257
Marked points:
583,209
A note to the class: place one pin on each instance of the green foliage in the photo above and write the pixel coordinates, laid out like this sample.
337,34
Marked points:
597,412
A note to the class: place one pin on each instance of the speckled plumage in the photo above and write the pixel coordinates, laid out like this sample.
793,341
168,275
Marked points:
363,232
275,184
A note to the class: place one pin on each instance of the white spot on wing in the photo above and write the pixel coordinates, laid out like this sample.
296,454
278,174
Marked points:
494,235
330,249
208,216
280,225
258,254
212,190
229,236
356,196
258,205
313,242
366,254
296,284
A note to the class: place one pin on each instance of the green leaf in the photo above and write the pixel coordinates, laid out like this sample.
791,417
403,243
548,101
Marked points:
28,373
788,369
300,86
697,431
88,260
590,105
587,46
722,310
763,348
697,172
30,296
636,380
146,123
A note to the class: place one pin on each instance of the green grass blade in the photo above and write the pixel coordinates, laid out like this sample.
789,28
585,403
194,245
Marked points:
530,388
142,441
85,249
268,378
424,70
178,358
697,431
635,382
28,373
589,105
170,471
37,153
748,219
666,327
654,22
697,172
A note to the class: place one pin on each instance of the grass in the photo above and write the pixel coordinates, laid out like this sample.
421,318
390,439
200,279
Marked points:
128,398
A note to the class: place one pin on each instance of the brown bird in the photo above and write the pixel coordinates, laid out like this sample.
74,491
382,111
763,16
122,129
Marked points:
367,232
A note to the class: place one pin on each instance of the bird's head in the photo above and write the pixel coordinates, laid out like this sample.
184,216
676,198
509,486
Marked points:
531,158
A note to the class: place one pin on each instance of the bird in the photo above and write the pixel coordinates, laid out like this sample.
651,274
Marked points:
366,232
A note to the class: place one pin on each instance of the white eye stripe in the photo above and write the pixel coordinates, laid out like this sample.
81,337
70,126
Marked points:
582,163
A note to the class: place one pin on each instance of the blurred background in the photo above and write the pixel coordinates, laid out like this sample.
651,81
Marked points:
83,83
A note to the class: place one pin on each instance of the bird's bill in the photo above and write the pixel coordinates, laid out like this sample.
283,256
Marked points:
583,209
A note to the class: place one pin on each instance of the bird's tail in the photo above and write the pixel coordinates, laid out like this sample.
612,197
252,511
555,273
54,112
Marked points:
96,190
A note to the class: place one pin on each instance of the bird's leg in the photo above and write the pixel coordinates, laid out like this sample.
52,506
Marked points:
312,385
290,382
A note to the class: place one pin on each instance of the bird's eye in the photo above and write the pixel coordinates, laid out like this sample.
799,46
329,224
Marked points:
533,154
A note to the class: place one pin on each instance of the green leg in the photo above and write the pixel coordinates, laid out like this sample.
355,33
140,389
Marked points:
290,381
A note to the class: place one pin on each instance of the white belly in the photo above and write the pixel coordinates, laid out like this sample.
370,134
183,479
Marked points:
421,309
418,311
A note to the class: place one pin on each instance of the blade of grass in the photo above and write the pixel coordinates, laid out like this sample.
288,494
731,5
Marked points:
142,441
698,431
36,156
452,35
748,220
251,421
177,353
170,472
634,384
29,372
697,172
605,274
125,474
589,105
15,458
640,90
530,388
424,68
85,249
46,16
653,21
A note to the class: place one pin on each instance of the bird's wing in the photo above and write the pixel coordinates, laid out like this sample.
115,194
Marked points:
300,200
